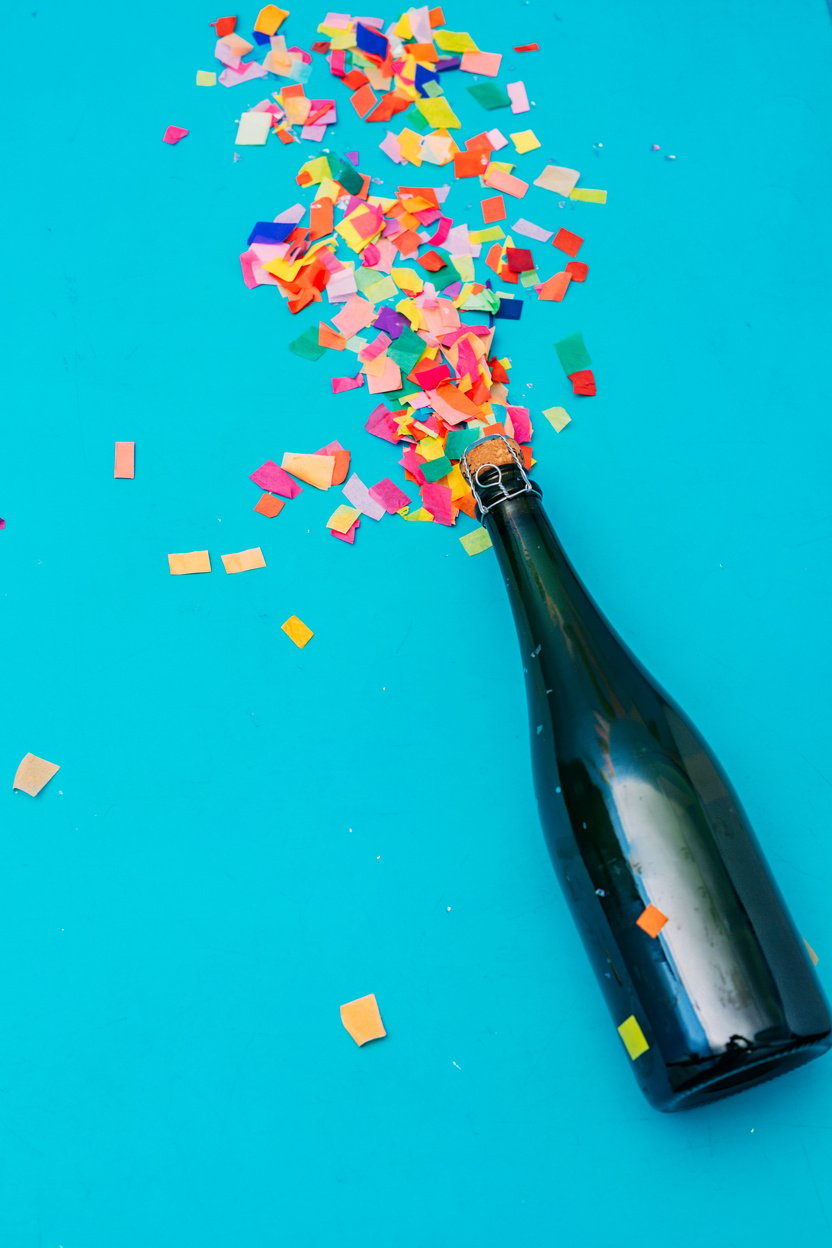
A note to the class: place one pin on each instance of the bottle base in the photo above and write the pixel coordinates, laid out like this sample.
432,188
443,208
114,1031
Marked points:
728,1082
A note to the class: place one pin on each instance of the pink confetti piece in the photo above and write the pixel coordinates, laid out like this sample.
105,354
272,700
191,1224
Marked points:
529,230
270,476
174,134
341,384
519,98
388,494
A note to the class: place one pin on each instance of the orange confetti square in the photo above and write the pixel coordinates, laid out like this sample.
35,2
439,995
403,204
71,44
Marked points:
362,1019
33,773
651,920
493,209
268,505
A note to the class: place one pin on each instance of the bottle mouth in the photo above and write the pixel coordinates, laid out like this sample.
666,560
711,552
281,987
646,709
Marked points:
494,469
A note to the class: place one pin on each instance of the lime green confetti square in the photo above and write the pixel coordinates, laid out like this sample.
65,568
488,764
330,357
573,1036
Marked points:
475,543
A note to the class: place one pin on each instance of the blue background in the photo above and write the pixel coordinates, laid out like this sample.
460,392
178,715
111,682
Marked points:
244,835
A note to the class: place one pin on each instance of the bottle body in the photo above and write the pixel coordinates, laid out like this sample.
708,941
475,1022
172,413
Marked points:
637,813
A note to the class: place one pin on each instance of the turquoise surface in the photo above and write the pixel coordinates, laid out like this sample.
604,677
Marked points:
243,835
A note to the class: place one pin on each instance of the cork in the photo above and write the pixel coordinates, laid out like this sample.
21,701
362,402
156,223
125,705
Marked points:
494,450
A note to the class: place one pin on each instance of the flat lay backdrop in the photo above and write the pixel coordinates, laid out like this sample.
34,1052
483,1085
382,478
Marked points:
243,835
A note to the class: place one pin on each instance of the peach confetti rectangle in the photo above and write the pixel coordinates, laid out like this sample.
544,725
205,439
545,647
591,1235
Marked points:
189,562
125,463
33,774
244,560
362,1019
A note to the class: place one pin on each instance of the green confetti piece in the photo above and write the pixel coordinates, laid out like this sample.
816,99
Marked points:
406,350
573,354
307,346
458,441
484,301
490,95
350,178
436,469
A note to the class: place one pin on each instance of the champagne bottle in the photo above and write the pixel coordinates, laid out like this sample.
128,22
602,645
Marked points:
709,983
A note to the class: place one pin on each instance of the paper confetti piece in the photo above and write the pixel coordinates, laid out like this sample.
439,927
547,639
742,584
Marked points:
173,134
555,288
525,141
528,47
519,98
125,461
270,19
297,631
566,241
485,63
224,26
558,417
489,95
558,179
493,209
356,492
190,562
651,920
362,1019
583,381
315,470
271,477
268,505
343,518
633,1037
33,774
587,196
577,270
253,129
206,78
813,956
529,230
244,560
475,543
573,354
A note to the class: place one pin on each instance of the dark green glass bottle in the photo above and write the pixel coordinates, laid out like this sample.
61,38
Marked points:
646,833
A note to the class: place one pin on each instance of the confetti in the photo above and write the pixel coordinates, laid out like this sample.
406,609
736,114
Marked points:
315,470
244,560
125,460
187,564
268,505
587,196
475,543
343,518
206,78
493,209
558,417
558,179
253,129
33,774
272,478
633,1037
174,134
525,141
519,98
566,241
362,1019
651,920
573,354
297,631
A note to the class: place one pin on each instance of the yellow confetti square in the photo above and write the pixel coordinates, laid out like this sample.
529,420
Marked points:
297,631
525,141
206,78
558,417
475,543
633,1037
587,196
342,520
